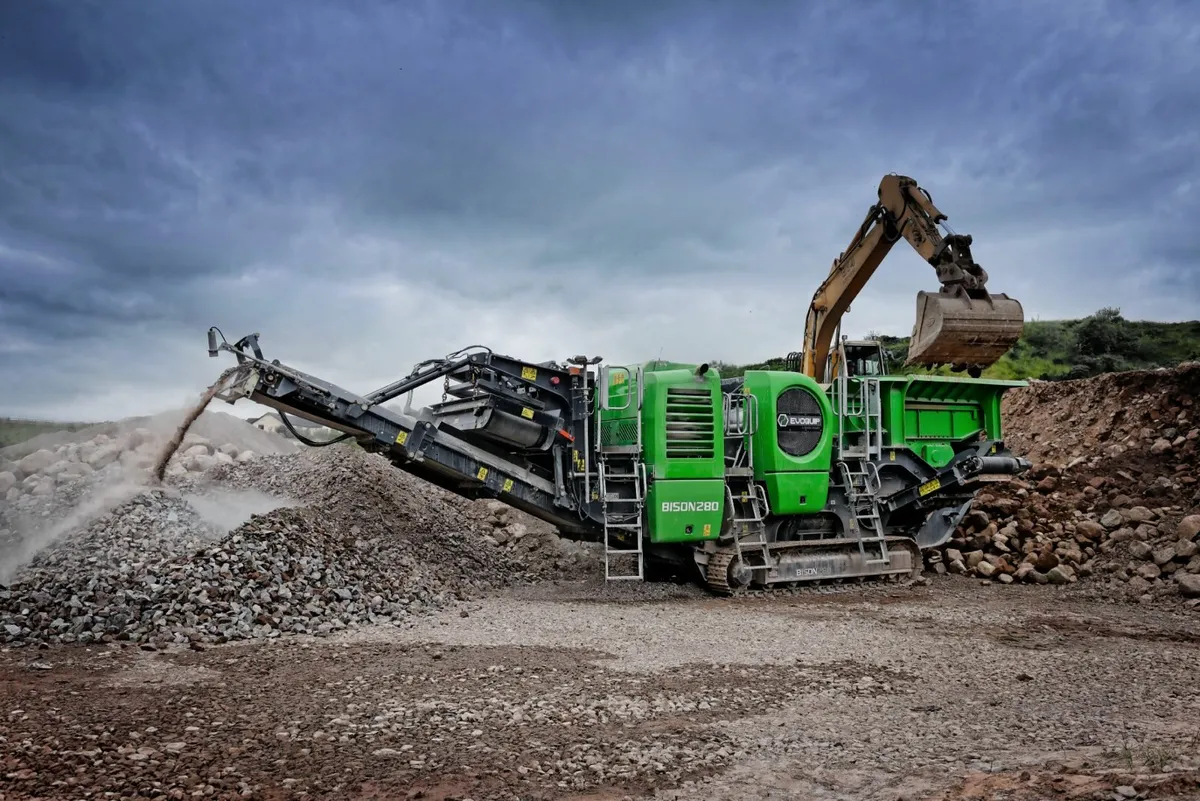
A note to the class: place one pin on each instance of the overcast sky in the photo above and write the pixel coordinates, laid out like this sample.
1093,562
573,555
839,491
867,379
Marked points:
369,184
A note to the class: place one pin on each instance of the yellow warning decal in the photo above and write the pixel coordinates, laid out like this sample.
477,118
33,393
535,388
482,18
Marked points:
618,378
527,413
508,485
529,373
402,438
929,486
482,474
708,529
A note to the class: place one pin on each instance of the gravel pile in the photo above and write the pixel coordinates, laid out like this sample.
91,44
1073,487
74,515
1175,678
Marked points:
1114,495
237,545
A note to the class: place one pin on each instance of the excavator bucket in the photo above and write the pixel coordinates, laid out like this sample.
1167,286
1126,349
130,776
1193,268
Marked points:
962,331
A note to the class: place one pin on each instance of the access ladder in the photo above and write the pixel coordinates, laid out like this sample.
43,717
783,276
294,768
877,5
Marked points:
621,476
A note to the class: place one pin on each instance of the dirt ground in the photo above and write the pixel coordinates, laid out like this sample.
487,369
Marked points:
579,691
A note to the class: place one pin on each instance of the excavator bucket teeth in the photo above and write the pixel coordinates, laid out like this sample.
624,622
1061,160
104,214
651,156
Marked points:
962,331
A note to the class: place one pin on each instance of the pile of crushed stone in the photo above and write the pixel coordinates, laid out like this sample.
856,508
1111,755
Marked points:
1114,494
52,464
308,542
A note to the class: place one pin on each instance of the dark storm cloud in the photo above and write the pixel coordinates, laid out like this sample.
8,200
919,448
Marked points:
415,175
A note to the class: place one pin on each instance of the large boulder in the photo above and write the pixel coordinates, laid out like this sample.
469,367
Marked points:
103,456
36,462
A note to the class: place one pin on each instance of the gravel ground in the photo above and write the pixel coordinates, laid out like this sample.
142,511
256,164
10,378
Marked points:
574,690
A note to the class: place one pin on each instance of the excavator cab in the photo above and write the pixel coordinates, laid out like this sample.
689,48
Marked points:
857,358
964,329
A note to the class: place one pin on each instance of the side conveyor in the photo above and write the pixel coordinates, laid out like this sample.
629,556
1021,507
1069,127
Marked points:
424,443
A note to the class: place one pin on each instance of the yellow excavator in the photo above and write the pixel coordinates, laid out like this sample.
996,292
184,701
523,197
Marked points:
961,325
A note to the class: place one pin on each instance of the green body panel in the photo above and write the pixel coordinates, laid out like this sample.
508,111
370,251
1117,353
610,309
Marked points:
797,493
927,414
683,444
675,506
682,425
795,484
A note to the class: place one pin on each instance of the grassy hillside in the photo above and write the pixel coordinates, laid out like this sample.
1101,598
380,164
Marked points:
1105,342
13,431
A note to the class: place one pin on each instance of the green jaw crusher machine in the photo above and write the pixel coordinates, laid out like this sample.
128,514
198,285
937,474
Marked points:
765,480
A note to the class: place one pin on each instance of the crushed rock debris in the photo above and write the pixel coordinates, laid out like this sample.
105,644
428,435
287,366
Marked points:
237,545
1112,504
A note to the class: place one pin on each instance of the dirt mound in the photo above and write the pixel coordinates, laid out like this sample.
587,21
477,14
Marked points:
1114,493
311,543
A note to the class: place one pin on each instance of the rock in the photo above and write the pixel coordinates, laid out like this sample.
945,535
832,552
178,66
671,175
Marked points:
103,456
246,456
1185,549
1111,519
1006,578
974,558
1139,585
1163,555
1160,447
192,440
1061,575
1090,529
1189,584
1149,571
139,437
1140,550
36,462
1188,528
7,481
985,569
199,463
1139,514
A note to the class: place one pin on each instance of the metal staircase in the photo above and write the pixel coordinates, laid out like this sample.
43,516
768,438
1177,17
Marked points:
861,480
621,476
623,493
859,399
744,496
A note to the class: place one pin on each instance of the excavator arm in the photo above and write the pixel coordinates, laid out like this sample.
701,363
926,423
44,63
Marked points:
960,325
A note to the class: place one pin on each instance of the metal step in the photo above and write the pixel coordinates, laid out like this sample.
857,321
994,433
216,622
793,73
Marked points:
622,471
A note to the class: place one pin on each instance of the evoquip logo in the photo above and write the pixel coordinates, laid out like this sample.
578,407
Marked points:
801,421
690,506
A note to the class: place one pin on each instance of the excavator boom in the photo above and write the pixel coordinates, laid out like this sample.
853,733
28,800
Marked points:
961,325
